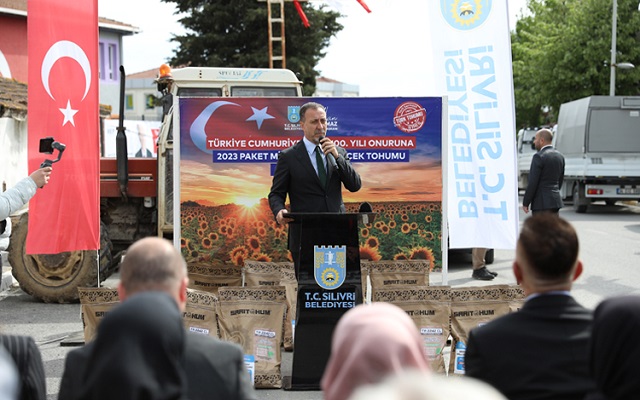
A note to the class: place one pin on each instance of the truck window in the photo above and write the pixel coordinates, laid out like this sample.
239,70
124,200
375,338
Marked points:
614,131
526,145
199,92
244,91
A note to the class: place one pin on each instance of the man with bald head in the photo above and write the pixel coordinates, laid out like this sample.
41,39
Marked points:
540,351
214,369
153,264
545,176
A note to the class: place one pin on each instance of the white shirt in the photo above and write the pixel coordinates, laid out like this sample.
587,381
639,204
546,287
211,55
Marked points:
311,149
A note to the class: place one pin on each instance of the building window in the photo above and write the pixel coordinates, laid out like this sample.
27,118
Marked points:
128,102
108,63
151,101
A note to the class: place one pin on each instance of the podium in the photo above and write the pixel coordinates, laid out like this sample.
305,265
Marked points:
328,272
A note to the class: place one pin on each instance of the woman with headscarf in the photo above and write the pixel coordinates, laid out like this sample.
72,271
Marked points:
614,351
137,354
371,342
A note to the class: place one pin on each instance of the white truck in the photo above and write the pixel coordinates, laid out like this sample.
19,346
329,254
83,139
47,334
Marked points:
526,150
599,137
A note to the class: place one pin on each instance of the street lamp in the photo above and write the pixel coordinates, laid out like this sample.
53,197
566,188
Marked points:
614,29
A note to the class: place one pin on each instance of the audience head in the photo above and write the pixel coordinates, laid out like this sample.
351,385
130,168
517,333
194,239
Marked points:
137,353
614,352
413,385
543,138
153,264
546,254
371,342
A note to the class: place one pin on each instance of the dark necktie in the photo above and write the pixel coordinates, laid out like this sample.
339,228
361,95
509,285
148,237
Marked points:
322,173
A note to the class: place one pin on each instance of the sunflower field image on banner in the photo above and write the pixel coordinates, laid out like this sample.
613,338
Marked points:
229,149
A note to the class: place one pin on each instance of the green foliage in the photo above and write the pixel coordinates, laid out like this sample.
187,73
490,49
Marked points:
562,50
235,34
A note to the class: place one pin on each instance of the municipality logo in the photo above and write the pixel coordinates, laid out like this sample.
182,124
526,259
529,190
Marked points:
330,266
465,15
293,114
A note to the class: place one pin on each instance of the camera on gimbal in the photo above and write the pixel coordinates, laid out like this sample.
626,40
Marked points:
48,145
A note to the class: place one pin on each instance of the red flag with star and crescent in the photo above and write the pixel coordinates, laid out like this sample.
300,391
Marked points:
63,104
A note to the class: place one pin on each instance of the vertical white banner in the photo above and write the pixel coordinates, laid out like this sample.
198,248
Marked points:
472,66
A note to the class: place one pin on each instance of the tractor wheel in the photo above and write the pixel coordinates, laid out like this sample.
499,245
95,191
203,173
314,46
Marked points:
55,278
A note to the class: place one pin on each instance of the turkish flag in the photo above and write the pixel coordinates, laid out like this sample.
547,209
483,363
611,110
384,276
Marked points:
63,103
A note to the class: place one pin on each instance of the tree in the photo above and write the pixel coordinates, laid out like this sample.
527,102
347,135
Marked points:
562,51
235,34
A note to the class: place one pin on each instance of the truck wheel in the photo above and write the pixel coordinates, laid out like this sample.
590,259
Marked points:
577,207
55,278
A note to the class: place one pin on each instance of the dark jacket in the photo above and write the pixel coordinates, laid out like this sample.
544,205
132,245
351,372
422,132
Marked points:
295,176
26,355
539,352
215,370
545,180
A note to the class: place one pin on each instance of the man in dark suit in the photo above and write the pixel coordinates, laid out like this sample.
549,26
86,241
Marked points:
541,351
215,369
307,173
545,176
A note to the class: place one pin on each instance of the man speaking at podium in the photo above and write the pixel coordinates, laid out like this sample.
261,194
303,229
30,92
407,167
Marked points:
311,172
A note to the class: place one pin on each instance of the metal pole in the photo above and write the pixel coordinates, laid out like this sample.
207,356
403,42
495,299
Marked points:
614,26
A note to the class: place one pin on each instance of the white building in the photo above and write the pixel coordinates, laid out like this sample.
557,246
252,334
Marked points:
326,87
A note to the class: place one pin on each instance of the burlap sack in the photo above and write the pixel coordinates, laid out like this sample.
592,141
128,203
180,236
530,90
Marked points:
209,279
266,273
201,313
398,273
472,307
95,303
288,280
261,273
514,294
253,318
430,309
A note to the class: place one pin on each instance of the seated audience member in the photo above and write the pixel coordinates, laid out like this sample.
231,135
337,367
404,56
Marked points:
215,369
539,352
27,358
137,353
614,352
414,385
8,377
371,342
16,197
23,191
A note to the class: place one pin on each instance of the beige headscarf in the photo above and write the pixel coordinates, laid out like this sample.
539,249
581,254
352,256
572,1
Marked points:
370,343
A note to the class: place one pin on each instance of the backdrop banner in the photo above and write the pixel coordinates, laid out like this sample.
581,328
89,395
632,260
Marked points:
472,65
229,149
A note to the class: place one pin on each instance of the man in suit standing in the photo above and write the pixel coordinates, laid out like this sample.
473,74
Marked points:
215,369
541,351
312,173
545,176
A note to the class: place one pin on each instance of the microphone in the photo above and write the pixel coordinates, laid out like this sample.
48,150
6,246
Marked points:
330,158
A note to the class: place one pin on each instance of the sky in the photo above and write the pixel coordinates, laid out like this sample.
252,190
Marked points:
385,52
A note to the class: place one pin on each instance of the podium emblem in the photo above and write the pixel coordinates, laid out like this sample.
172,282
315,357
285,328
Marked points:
330,266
